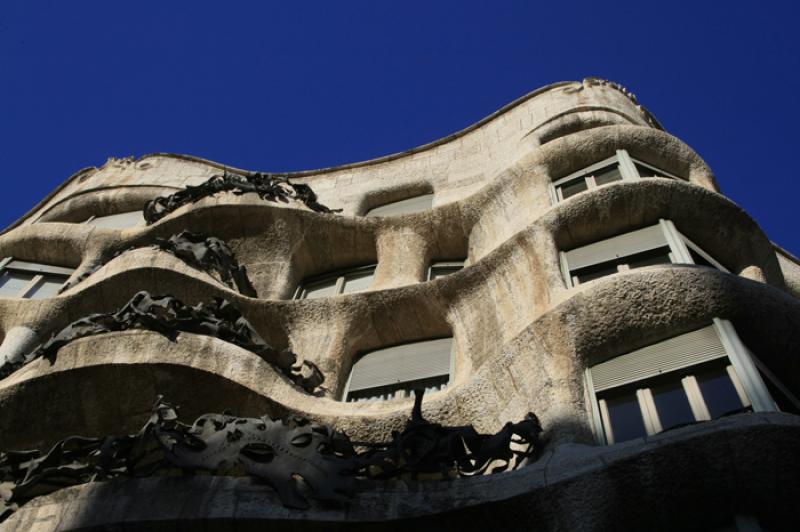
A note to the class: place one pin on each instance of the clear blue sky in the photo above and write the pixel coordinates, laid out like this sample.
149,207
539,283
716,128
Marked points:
280,86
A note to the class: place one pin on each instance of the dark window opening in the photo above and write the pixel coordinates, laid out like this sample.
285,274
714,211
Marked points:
648,258
607,175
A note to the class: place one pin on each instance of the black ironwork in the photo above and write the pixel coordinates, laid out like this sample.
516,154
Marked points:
426,448
268,187
199,251
210,254
169,316
298,458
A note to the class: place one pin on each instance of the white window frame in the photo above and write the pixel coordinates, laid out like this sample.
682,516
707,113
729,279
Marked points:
444,264
627,169
40,271
340,277
741,369
406,391
679,246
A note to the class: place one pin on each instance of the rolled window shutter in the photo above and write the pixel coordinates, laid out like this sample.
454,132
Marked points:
619,246
676,353
406,206
402,363
122,220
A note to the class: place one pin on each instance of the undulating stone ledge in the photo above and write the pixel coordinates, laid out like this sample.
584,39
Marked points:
613,485
538,369
302,244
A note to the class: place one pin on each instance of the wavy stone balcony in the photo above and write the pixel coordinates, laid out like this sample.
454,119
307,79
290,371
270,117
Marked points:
554,493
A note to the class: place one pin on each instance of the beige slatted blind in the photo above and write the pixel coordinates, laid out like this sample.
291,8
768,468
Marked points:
406,206
122,220
619,246
402,363
679,352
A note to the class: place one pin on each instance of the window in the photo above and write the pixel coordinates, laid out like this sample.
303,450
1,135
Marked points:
785,400
406,206
331,284
697,376
443,268
121,220
658,244
394,372
30,280
617,168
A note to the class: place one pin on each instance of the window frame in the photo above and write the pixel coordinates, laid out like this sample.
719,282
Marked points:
679,253
457,263
401,393
649,411
340,277
627,169
741,369
40,274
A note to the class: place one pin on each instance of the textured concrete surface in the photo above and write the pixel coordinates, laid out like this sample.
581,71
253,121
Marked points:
522,338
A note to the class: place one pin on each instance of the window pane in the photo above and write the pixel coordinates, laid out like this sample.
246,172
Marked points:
672,405
596,271
573,187
47,287
645,171
607,175
648,258
718,392
356,282
441,271
698,259
319,289
625,417
781,400
12,282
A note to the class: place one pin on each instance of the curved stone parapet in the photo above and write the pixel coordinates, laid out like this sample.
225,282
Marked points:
615,486
501,373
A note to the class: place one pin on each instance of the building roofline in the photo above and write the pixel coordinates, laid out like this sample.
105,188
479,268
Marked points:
382,159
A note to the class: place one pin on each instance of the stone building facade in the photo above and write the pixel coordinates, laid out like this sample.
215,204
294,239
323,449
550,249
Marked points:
564,256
